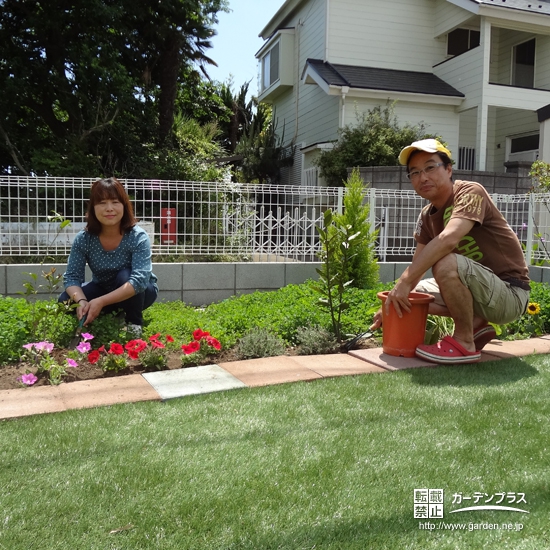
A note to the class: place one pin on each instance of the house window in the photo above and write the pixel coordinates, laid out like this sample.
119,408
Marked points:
270,67
524,143
462,40
523,70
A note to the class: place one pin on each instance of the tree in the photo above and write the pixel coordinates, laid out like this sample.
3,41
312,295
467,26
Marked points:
362,267
375,140
264,152
86,83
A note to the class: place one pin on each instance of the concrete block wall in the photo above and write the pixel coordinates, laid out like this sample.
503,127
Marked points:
395,177
200,284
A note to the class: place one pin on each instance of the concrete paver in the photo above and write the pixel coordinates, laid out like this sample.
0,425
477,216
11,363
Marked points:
170,384
26,401
517,348
269,370
107,391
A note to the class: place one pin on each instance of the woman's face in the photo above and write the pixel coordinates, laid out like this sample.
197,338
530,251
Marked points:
109,212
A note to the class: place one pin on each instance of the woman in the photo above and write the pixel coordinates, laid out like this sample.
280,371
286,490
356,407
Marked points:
118,253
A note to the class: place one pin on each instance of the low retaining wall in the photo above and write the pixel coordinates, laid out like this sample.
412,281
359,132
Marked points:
200,284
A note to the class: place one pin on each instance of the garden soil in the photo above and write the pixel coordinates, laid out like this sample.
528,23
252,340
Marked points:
86,371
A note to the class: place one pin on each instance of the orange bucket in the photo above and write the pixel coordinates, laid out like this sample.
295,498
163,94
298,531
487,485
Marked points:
401,336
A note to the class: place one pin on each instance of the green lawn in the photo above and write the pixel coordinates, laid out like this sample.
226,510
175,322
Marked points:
326,464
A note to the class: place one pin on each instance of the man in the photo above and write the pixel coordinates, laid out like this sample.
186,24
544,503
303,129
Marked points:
480,274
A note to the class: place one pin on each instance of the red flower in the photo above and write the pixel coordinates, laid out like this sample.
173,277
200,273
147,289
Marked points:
169,338
154,337
157,344
101,349
213,342
199,334
116,349
190,348
135,345
133,354
93,356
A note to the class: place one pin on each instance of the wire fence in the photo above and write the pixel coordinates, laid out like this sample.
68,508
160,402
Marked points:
242,221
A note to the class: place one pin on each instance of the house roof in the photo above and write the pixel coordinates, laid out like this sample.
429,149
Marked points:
373,78
533,6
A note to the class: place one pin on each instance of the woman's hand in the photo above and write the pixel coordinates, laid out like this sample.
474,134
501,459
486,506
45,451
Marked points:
93,310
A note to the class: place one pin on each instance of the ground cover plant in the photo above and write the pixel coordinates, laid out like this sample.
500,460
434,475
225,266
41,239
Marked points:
282,313
329,464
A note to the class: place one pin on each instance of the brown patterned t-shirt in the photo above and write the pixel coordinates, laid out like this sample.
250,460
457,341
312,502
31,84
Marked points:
491,241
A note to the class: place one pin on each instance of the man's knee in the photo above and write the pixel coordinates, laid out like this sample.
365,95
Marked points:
445,267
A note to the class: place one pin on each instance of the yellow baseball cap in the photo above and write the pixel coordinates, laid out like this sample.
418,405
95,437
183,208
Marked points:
427,145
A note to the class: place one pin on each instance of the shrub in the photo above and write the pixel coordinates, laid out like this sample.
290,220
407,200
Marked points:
315,340
260,342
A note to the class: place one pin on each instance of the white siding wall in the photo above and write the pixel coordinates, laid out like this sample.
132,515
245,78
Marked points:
511,122
507,40
393,35
468,128
542,62
449,17
464,73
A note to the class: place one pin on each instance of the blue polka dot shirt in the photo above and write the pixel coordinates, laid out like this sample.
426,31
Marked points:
133,252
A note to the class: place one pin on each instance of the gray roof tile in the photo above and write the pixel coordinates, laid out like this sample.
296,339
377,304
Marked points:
382,79
533,6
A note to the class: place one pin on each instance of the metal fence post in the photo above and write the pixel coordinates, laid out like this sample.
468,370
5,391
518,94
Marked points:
530,224
340,205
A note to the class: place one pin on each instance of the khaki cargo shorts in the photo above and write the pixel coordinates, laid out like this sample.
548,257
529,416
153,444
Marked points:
494,299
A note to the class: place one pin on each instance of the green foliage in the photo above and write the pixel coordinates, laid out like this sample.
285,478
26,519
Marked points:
260,342
363,265
375,140
437,327
264,151
85,103
14,328
540,172
536,320
338,248
315,340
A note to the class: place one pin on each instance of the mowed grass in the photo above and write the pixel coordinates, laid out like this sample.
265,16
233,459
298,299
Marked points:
326,464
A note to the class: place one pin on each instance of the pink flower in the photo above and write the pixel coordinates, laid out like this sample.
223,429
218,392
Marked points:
28,346
86,336
72,363
28,379
44,346
84,347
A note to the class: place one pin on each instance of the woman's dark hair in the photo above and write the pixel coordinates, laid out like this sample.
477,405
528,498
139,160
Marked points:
104,189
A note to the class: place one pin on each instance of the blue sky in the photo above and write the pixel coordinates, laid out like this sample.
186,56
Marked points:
237,41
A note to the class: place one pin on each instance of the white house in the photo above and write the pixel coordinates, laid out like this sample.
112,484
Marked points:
476,72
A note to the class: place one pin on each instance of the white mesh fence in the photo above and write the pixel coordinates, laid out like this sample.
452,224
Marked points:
244,221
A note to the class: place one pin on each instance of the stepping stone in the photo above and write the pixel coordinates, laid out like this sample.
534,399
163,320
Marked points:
170,384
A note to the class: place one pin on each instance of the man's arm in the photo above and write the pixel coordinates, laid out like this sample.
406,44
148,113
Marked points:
425,257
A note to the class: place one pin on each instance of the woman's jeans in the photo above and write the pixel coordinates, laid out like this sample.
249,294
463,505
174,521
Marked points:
133,307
